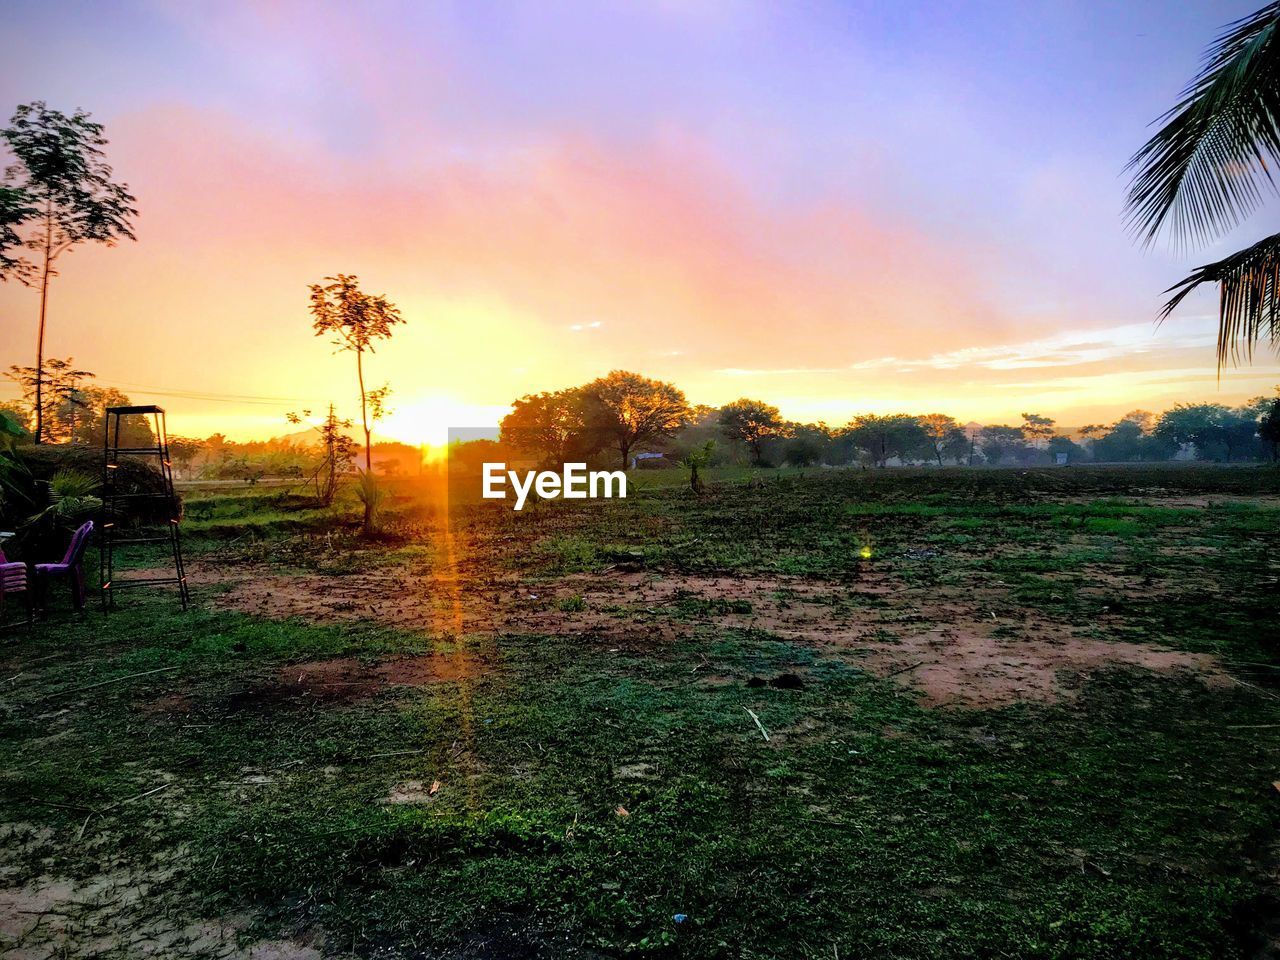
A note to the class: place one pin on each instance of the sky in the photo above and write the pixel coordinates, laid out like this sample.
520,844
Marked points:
837,207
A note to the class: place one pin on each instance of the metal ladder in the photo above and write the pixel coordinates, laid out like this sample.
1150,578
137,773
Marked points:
113,502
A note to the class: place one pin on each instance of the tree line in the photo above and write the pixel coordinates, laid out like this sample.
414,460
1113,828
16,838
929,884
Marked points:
624,414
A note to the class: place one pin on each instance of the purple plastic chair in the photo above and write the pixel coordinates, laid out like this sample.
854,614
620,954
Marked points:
71,565
14,579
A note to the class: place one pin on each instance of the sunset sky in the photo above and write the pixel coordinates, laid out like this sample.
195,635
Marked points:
837,207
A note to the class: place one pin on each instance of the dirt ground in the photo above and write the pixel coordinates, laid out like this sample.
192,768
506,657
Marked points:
945,643
114,915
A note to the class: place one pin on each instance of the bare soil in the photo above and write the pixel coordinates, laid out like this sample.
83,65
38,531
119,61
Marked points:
945,643
117,914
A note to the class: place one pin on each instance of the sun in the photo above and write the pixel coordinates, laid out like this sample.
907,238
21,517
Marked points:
425,421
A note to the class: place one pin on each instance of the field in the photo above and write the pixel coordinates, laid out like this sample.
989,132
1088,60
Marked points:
841,713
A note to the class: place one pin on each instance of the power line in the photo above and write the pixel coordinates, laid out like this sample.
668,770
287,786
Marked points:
155,391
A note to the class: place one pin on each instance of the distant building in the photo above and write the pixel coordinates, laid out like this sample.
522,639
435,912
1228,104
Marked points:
649,461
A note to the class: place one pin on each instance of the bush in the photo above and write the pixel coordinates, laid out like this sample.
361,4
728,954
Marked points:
47,490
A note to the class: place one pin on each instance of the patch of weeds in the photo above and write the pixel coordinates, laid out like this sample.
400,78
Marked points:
691,605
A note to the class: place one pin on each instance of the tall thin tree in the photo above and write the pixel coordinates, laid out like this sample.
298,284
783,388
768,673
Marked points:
356,320
60,178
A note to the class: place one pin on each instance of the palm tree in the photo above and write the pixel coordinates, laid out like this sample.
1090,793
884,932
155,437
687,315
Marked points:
1206,169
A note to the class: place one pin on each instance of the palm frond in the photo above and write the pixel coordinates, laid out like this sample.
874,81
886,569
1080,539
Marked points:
1205,169
1248,302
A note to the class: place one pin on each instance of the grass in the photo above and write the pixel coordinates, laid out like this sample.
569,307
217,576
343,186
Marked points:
590,791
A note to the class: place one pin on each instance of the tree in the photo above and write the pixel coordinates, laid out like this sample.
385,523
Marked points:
53,394
1036,428
626,410
1269,428
939,429
183,451
1145,420
806,443
1122,442
88,419
1000,442
884,437
1205,169
697,460
1064,445
356,321
15,210
958,446
1203,425
1092,431
337,451
551,426
65,185
751,422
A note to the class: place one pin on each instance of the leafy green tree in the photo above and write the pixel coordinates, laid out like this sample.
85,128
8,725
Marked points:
1205,170
750,422
1217,432
958,446
60,185
698,460
1001,442
627,410
806,444
1123,442
883,438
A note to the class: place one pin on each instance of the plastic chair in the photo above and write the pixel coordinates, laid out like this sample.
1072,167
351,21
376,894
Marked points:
15,579
71,566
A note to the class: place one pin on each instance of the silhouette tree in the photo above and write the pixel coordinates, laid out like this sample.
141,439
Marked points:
883,437
1213,429
957,446
1000,441
1269,428
751,422
551,426
52,394
626,410
356,320
1037,428
1205,169
15,210
183,451
59,177
806,443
